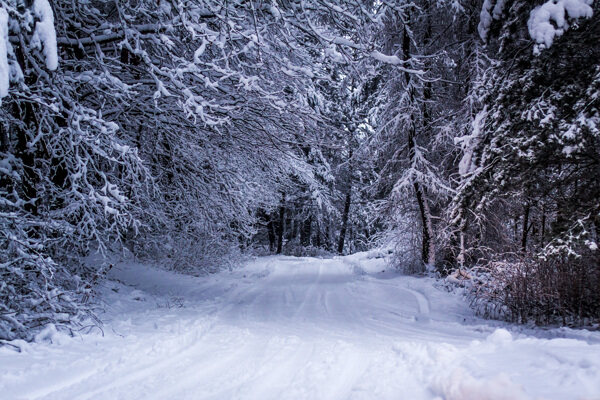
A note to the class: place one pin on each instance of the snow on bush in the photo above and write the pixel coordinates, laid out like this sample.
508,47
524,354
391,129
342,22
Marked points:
551,20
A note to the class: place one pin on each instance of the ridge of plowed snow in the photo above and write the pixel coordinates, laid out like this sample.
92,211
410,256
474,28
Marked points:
297,328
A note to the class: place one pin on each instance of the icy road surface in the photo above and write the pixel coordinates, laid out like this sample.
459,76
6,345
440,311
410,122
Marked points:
298,328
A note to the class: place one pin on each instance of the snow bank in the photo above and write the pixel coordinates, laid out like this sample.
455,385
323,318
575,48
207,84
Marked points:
370,262
504,368
500,337
549,20
44,33
49,334
461,385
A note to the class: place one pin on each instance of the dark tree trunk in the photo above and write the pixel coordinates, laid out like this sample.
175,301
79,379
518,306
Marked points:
318,237
306,231
59,172
525,228
25,112
426,237
5,181
427,244
290,227
543,225
340,247
3,138
271,233
27,156
280,225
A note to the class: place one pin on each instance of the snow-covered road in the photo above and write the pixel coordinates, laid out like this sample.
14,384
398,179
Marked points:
298,328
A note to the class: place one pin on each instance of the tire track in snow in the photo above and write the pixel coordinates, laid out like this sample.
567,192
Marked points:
122,377
309,292
423,304
213,370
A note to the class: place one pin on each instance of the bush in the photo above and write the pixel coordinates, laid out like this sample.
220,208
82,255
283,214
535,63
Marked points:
36,289
545,291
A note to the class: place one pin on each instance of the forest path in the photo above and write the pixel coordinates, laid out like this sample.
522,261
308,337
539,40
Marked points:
297,328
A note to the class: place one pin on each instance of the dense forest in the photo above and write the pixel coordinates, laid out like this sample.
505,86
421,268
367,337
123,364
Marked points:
463,135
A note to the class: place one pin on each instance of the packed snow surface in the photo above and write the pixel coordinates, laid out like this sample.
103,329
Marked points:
297,328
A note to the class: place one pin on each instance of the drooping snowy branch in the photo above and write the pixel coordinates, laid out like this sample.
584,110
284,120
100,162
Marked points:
490,10
469,142
553,18
45,33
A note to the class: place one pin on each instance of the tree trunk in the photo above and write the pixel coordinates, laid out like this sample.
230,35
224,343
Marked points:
431,248
525,228
280,226
340,247
25,113
543,225
271,233
461,256
427,243
5,180
306,231
318,237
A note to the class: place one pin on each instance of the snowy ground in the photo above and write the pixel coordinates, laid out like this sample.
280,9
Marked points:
298,328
